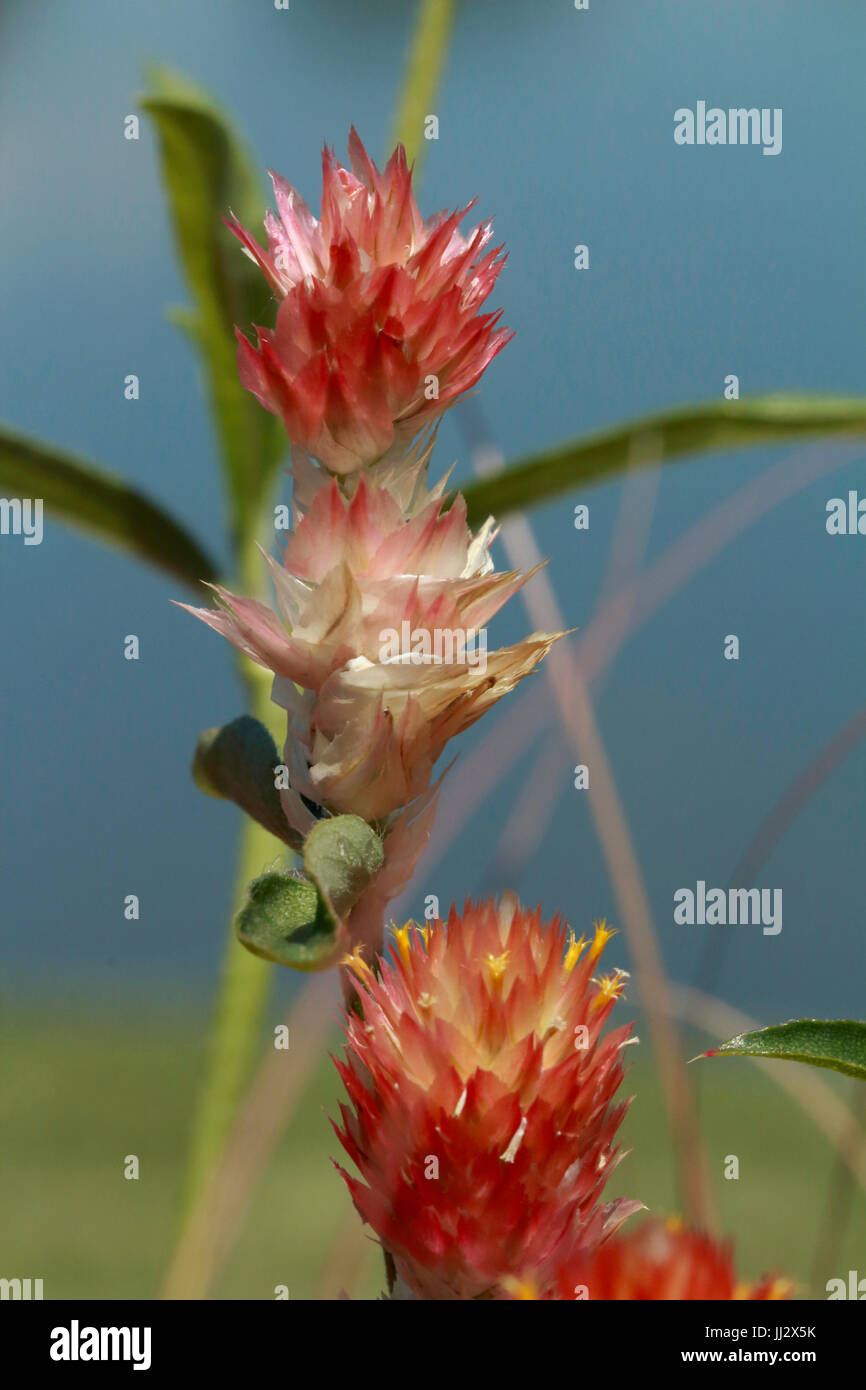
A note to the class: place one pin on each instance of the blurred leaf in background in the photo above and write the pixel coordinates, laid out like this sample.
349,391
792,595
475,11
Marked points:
207,173
103,504
662,438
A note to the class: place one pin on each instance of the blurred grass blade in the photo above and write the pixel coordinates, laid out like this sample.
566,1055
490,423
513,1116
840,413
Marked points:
236,1028
254,1130
701,429
207,173
426,61
837,1043
107,506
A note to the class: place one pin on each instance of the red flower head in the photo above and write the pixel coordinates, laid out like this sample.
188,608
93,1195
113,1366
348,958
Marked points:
661,1260
378,330
482,1116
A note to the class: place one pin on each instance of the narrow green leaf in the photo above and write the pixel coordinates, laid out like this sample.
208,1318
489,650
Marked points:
207,174
838,1043
237,762
284,921
341,855
673,434
102,503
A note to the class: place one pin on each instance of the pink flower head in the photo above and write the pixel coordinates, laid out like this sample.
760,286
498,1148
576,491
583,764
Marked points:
363,591
378,328
482,1114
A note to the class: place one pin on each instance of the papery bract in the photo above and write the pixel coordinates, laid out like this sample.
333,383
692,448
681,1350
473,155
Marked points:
378,328
370,721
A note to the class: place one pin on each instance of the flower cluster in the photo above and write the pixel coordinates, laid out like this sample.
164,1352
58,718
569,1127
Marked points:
367,723
482,1110
482,1119
378,329
383,589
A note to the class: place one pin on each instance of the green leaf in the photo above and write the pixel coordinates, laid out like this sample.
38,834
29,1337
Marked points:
838,1043
208,174
659,438
300,921
237,762
341,855
284,921
85,496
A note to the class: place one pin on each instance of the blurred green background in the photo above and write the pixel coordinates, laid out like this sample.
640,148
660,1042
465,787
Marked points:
81,1091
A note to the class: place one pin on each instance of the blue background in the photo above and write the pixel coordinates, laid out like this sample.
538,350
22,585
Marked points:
703,262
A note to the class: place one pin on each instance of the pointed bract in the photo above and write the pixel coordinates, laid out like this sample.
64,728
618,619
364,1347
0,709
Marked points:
378,620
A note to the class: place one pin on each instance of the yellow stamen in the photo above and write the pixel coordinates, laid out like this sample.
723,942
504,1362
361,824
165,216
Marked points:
778,1289
520,1288
497,966
603,933
574,952
402,937
781,1288
355,962
609,987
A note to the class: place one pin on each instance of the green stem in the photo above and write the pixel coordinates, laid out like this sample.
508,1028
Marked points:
246,980
426,62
